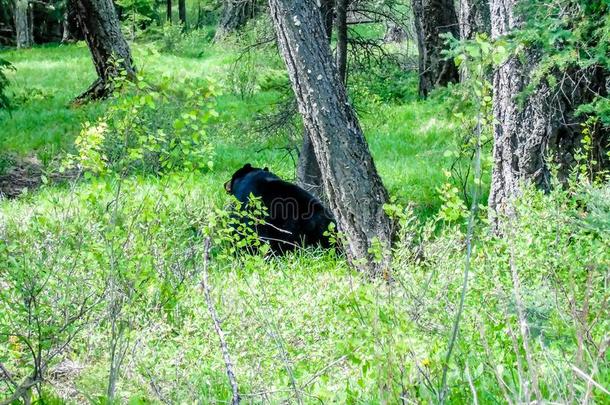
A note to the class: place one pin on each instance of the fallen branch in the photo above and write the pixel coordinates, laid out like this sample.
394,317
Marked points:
214,315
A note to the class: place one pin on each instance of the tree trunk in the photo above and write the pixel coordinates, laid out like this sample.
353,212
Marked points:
182,13
308,171
342,39
109,49
23,24
355,192
474,18
432,18
235,14
168,11
66,36
528,131
520,132
327,9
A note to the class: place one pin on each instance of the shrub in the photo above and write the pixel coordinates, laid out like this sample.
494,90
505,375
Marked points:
150,129
534,322
4,83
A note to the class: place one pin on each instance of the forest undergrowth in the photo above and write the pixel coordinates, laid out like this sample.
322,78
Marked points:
100,281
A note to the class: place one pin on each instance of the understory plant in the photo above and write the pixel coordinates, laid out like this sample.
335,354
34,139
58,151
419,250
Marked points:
150,128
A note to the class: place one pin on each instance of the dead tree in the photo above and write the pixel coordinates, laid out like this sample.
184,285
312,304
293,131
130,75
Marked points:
355,192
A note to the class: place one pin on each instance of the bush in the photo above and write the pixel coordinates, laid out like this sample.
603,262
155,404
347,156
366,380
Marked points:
535,305
150,129
304,320
191,44
4,83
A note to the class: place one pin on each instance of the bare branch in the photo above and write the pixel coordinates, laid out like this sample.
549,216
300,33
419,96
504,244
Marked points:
214,315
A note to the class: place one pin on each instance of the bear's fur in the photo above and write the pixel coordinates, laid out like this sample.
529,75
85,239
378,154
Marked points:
294,216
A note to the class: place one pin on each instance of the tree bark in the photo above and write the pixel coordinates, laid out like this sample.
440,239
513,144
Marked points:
308,171
235,14
23,23
109,49
474,18
355,192
182,13
543,126
432,18
65,34
309,175
327,9
168,11
342,39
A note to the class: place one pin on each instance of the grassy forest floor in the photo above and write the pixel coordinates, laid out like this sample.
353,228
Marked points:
116,262
408,137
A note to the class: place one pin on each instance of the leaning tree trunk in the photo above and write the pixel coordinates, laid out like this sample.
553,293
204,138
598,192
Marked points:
474,18
109,49
432,18
308,171
543,126
235,14
355,192
23,24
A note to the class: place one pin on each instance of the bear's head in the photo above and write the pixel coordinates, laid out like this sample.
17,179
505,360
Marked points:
240,174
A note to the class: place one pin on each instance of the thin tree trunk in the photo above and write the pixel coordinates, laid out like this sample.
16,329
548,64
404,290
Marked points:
168,11
23,28
65,35
182,13
355,192
31,22
327,8
432,18
109,49
342,39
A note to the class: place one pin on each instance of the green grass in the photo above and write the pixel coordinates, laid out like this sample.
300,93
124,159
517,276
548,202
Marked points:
304,326
47,79
407,140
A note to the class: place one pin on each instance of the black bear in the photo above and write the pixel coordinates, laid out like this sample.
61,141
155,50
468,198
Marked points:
294,216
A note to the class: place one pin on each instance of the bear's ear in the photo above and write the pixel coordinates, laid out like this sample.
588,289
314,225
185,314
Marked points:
266,169
247,166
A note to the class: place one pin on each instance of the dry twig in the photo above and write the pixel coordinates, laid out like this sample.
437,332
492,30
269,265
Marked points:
214,315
